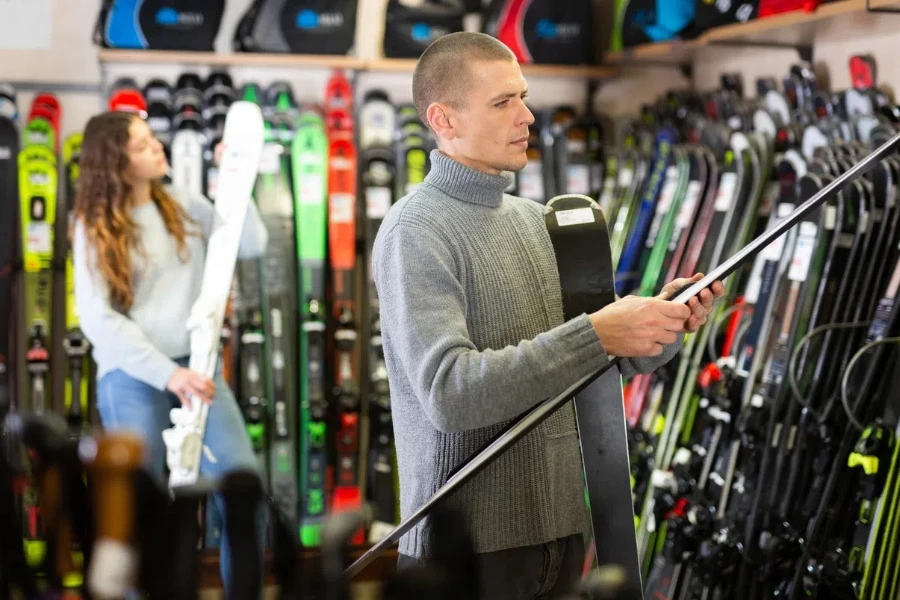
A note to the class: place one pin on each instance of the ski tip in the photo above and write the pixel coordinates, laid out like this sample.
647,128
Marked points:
245,112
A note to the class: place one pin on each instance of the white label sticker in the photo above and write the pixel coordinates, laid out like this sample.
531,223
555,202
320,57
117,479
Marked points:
725,193
212,182
666,195
668,191
576,216
531,181
38,179
625,177
311,189
40,238
578,180
803,252
378,202
271,159
769,197
606,196
577,146
830,218
686,211
340,208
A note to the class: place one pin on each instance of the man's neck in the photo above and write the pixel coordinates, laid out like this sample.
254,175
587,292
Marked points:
140,193
469,162
465,182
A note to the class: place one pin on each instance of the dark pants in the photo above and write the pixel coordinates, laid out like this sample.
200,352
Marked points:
545,571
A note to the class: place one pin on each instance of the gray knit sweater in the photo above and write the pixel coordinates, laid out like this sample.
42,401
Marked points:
473,332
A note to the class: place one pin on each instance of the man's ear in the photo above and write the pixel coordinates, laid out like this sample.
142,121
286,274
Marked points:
440,121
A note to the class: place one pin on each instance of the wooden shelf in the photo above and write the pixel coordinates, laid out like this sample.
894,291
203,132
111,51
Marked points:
796,29
384,65
400,65
243,59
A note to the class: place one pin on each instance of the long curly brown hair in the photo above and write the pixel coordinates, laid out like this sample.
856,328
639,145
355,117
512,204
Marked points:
103,205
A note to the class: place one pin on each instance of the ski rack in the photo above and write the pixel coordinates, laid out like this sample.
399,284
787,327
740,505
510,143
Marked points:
530,420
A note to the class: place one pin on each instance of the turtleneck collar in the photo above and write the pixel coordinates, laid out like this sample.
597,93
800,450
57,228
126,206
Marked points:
465,183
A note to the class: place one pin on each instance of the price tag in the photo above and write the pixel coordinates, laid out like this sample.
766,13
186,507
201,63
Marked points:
576,216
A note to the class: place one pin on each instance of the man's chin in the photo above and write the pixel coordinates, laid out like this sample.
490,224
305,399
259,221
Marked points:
517,163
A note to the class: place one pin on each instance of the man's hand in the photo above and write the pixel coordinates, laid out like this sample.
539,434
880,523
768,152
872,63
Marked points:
634,326
700,305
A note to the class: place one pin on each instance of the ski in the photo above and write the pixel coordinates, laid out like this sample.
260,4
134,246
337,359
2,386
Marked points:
577,229
241,156
342,223
310,167
378,171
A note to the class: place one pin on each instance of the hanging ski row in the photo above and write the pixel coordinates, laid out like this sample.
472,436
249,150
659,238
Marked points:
764,456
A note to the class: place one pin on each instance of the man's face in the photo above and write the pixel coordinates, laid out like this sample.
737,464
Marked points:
489,130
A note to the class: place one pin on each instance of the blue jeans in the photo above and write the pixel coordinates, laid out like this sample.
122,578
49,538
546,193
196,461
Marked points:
125,403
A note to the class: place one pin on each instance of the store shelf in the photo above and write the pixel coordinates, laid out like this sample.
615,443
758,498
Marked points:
795,29
246,59
386,65
395,65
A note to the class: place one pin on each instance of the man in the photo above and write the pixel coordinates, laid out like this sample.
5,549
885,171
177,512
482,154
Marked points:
473,330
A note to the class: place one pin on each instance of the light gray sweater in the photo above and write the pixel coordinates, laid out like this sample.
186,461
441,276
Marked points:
144,342
473,331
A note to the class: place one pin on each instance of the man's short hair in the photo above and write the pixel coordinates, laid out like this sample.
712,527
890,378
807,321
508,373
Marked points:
443,68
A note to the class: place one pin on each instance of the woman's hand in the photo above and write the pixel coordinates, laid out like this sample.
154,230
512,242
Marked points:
185,383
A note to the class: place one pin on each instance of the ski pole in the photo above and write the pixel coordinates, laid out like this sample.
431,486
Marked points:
542,411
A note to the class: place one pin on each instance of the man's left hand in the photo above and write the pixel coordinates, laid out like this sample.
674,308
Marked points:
700,305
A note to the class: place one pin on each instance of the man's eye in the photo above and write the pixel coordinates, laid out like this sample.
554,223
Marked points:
502,103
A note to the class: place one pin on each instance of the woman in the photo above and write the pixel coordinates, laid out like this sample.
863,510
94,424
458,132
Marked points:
139,256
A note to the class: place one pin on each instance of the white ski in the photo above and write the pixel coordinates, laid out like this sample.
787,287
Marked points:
241,155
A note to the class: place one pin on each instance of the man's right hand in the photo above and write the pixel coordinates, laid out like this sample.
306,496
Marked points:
185,383
635,326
